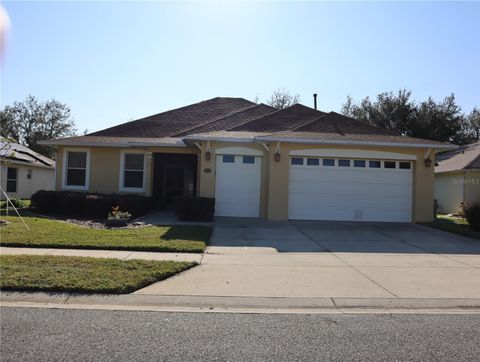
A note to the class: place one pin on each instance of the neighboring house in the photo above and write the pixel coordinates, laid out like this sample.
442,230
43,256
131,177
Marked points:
457,178
23,171
294,163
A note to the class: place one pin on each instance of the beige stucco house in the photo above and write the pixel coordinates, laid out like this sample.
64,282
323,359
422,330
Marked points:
294,163
23,171
457,178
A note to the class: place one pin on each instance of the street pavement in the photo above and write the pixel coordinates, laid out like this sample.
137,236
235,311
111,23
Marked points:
38,334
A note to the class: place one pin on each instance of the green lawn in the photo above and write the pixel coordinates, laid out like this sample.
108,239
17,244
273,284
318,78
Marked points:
455,225
46,233
83,275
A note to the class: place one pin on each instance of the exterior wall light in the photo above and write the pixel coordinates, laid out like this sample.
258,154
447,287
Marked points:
277,156
208,155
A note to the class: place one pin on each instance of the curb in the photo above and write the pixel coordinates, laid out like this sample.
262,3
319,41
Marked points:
239,304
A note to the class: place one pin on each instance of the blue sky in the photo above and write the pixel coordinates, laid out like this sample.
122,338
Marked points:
116,61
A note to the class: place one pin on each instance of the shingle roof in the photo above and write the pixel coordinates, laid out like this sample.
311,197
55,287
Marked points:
19,153
281,120
461,159
232,120
175,121
237,117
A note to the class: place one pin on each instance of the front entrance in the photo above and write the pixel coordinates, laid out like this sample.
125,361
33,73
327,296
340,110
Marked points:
174,175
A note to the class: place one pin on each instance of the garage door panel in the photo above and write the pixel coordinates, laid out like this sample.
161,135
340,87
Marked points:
237,187
350,189
350,194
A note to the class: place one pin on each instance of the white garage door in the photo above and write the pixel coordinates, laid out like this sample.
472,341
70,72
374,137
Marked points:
350,189
237,185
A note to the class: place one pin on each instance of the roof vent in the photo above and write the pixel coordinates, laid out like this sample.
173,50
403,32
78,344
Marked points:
315,100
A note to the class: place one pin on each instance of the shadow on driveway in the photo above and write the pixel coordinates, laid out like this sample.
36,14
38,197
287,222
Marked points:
234,235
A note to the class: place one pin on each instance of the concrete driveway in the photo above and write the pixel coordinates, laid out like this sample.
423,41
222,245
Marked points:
257,258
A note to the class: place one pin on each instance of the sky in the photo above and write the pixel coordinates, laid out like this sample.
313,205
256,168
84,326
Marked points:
112,62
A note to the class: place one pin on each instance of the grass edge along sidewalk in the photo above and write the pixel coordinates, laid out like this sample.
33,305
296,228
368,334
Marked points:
48,273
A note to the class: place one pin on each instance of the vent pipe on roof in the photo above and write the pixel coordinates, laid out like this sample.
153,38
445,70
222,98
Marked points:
315,100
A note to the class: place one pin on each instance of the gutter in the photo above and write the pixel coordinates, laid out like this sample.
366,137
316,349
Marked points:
118,145
366,143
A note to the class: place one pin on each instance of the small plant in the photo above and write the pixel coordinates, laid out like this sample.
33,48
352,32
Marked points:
117,214
15,201
472,215
463,207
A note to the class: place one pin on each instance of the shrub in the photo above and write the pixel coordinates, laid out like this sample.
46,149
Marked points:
472,215
97,205
68,203
71,203
15,201
134,204
44,201
195,208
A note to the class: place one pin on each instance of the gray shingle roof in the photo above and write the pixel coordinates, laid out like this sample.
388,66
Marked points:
237,116
175,121
461,159
19,153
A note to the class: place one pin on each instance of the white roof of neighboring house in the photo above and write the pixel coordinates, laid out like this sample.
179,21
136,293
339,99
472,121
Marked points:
464,158
20,154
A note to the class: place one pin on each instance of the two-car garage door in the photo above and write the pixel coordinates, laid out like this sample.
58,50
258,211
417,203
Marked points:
328,188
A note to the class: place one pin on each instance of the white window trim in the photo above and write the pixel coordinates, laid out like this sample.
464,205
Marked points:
64,169
122,172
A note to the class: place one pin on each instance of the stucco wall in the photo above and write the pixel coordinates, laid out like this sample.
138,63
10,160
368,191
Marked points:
104,175
275,175
42,179
472,186
449,191
452,188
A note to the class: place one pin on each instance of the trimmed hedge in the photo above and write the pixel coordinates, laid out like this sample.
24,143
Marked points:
195,208
472,215
68,203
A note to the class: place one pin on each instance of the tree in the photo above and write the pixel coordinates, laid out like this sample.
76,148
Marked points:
31,121
473,123
441,121
281,98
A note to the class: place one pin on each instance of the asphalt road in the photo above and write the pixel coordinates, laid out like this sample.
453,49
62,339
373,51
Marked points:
93,335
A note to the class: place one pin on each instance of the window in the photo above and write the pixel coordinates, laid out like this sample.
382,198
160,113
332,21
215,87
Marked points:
405,165
359,163
133,170
29,174
249,159
297,161
12,179
328,162
374,164
228,159
390,164
313,161
344,163
76,168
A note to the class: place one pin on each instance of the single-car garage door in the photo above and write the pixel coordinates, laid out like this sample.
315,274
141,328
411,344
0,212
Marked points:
350,189
237,185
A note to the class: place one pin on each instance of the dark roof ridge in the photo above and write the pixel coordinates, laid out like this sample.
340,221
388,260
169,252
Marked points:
179,134
166,112
366,123
273,113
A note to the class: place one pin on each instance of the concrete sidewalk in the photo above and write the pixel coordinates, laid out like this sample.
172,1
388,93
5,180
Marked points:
116,254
